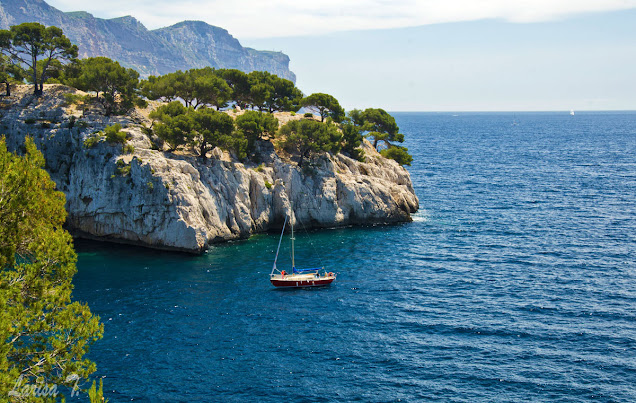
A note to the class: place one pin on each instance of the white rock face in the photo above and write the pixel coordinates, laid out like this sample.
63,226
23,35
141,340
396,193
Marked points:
181,202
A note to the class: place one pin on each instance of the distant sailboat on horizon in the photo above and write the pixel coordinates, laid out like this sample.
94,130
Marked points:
571,112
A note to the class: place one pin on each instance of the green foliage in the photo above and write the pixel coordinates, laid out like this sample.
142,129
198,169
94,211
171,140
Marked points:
33,45
259,168
92,141
175,131
118,85
43,334
352,140
268,185
54,71
202,128
269,92
379,125
97,395
128,149
308,115
150,186
196,87
253,125
325,105
122,169
76,99
239,84
307,137
211,129
398,153
173,109
10,72
210,87
114,135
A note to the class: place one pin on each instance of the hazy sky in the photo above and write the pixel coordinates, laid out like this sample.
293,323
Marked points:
430,55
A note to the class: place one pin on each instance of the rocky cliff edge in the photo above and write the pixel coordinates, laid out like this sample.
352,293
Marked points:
180,202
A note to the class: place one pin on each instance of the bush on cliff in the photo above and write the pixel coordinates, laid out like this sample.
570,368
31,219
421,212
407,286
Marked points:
397,153
381,127
253,125
119,86
304,138
203,129
325,105
196,87
352,140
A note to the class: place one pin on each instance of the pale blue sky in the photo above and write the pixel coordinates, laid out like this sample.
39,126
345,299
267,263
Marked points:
584,63
434,55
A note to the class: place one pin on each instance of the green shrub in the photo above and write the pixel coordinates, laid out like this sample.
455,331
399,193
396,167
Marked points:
122,169
398,153
150,186
128,149
114,135
259,168
268,185
308,115
293,113
76,99
92,141
167,185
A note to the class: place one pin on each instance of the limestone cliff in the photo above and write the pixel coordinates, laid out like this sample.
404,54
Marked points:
181,202
186,45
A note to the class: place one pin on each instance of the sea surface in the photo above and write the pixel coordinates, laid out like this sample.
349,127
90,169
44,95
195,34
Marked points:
516,281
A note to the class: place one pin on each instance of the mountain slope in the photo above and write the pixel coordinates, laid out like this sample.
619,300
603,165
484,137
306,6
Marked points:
182,46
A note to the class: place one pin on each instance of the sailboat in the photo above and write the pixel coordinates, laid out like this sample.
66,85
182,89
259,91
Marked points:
571,112
298,278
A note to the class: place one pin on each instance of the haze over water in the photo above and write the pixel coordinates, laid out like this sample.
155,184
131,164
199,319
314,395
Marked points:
515,282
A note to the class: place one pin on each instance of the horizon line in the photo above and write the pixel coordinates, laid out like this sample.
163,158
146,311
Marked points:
514,111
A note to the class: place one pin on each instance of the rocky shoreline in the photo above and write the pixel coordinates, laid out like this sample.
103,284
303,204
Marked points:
181,202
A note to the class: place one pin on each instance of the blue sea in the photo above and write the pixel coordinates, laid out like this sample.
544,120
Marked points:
516,281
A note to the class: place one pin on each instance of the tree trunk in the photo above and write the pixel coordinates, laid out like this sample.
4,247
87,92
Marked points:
375,144
8,88
36,90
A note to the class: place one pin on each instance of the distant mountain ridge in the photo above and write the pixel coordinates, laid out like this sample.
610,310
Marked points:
185,45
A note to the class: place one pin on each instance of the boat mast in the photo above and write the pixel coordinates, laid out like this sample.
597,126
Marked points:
278,249
291,219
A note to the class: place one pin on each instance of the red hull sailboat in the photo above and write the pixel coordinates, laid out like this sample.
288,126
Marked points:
298,278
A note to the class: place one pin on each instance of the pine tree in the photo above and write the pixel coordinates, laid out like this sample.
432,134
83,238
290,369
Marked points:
43,334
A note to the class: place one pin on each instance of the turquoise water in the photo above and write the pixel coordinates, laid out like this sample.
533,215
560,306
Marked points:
515,282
